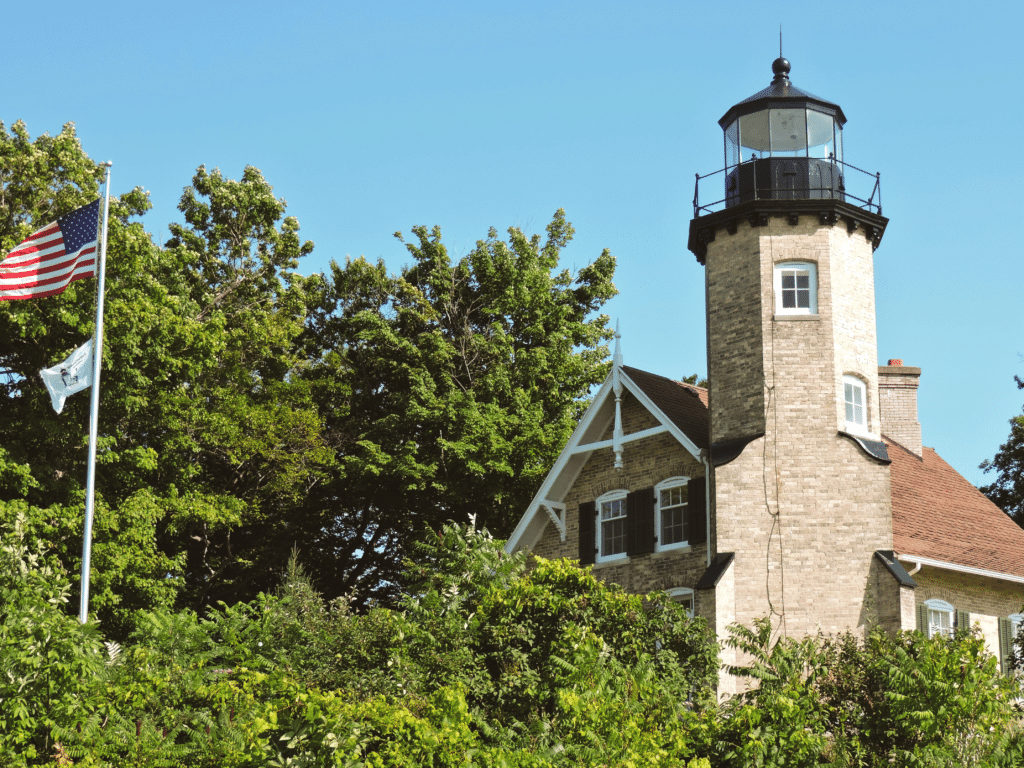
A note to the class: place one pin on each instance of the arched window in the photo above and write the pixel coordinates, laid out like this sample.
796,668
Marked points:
671,516
1009,627
611,526
940,619
683,596
796,288
855,403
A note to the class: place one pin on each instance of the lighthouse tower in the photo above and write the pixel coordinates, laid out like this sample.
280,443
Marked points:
801,500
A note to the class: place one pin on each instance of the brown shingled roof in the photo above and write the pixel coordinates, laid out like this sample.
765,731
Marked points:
685,404
938,514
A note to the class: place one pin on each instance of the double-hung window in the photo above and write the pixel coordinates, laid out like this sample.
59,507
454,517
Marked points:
796,288
937,617
672,518
855,405
622,523
611,526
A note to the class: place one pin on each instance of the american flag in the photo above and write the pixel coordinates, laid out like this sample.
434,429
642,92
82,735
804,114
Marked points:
48,260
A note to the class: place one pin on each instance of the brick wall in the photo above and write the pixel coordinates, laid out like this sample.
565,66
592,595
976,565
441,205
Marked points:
986,599
734,303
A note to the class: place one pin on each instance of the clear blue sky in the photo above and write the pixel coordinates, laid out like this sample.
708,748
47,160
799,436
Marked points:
371,118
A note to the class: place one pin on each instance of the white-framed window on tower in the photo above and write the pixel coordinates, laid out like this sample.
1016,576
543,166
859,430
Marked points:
796,288
671,517
611,526
855,405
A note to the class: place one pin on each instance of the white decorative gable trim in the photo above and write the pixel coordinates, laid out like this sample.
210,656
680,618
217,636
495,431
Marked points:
605,410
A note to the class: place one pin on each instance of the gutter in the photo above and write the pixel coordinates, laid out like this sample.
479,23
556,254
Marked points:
920,561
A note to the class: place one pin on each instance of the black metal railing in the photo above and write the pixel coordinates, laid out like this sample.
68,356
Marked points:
791,178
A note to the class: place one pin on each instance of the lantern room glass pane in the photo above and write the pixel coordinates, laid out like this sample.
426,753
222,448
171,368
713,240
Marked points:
754,135
788,132
732,144
820,134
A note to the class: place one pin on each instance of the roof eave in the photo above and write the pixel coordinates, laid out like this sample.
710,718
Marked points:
958,568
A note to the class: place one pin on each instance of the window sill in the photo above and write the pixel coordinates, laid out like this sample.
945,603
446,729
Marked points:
787,318
624,560
685,549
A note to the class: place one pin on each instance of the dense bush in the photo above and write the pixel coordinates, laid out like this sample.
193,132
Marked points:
487,663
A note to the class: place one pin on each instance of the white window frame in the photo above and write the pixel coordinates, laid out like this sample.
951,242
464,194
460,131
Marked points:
937,610
609,498
812,274
858,385
666,485
684,596
1016,619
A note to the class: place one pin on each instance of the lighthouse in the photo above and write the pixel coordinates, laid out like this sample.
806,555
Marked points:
786,231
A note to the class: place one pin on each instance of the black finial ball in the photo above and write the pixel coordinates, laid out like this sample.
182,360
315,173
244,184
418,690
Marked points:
781,67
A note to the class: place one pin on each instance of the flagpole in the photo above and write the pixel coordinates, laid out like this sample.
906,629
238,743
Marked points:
94,408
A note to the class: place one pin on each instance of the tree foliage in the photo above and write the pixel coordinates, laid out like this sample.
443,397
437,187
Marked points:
447,389
247,409
1007,491
487,663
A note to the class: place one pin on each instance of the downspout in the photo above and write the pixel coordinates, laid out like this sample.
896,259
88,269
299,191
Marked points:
707,501
917,567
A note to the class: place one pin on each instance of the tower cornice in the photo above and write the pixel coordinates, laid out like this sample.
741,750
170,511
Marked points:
755,213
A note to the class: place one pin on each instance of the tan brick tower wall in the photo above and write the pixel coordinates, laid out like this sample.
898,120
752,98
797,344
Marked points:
897,394
804,508
852,291
734,295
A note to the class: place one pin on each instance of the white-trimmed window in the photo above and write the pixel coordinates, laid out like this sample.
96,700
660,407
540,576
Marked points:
796,288
611,526
671,518
855,404
683,596
940,617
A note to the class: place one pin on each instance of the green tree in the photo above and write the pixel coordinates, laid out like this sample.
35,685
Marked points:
447,391
209,438
1007,491
247,409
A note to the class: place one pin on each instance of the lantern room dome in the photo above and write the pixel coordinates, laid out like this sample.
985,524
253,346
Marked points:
781,89
783,120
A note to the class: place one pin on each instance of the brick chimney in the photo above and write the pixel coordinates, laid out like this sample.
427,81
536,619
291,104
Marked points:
897,401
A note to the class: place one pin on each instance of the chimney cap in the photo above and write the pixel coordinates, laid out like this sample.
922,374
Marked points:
895,361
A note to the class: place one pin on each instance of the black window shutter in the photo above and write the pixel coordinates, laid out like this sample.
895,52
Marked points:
588,532
963,620
922,618
640,531
696,508
1005,644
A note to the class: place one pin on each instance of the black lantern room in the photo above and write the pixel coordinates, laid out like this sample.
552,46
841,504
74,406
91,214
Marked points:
784,157
783,144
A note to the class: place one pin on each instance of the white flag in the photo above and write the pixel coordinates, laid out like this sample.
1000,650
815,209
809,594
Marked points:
72,375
